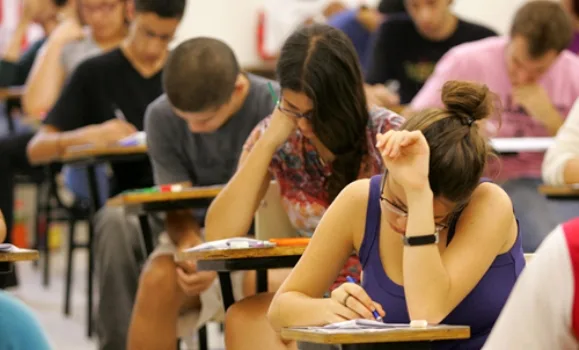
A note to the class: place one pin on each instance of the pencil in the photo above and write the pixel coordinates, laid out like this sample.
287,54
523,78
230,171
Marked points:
272,92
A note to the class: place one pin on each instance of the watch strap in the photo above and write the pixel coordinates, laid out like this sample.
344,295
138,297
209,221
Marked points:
420,240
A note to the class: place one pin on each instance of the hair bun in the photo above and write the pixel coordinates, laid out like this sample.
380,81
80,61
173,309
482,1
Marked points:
467,100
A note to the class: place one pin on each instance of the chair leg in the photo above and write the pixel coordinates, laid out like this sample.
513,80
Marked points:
46,250
202,336
90,280
69,263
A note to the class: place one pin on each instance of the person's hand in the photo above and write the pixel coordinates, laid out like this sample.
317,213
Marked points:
109,132
2,227
280,128
379,95
350,302
369,18
406,155
535,101
30,11
68,30
191,281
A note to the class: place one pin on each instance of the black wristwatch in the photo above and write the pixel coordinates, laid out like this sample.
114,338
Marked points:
420,240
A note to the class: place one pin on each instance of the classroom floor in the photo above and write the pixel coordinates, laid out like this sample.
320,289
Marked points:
47,303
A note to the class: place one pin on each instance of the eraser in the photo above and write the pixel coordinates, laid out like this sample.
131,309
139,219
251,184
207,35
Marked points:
418,324
176,188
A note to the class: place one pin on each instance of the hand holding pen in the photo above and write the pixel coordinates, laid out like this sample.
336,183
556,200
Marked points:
350,301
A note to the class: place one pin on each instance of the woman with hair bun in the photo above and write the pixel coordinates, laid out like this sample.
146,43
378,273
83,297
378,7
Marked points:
436,241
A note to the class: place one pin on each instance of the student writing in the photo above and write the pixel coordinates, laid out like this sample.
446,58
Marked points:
435,242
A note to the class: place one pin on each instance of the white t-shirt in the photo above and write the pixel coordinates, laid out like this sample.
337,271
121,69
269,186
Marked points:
566,147
539,310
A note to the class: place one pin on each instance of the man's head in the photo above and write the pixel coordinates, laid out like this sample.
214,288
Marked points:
540,31
202,81
153,25
431,17
106,18
40,11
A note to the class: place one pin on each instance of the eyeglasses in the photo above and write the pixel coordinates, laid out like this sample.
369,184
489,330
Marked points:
306,116
393,208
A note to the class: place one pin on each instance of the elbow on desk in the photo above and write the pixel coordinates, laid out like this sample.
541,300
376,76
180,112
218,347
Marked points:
274,314
35,151
431,314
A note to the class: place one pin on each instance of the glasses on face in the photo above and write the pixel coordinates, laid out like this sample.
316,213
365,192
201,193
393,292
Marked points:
393,208
306,116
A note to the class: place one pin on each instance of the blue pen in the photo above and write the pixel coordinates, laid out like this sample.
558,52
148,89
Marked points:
374,312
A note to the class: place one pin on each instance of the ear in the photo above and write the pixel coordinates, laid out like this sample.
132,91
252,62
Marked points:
239,82
130,8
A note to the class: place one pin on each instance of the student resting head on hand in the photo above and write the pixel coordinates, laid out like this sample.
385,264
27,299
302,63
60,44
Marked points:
319,138
436,242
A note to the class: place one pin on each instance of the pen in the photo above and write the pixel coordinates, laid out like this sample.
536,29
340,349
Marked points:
374,312
119,114
272,92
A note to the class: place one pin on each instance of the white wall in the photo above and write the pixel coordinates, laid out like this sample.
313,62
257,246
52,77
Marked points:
234,21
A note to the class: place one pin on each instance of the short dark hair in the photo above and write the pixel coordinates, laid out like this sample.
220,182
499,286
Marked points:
545,25
59,3
200,74
162,8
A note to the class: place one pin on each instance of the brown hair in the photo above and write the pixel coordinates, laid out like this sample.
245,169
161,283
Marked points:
545,25
458,150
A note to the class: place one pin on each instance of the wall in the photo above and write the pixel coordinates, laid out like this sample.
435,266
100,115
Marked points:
234,21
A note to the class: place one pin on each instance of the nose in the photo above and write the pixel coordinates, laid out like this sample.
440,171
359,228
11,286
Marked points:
154,48
424,16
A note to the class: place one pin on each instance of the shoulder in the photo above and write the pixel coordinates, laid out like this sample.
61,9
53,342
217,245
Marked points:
77,52
352,205
567,63
490,193
158,109
474,30
381,120
490,202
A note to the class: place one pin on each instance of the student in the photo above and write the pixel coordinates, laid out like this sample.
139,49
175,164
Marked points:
320,137
537,82
408,46
561,162
71,44
15,64
19,329
195,133
572,7
122,81
436,242
542,310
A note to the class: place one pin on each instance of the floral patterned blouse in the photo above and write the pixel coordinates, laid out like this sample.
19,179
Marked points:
301,174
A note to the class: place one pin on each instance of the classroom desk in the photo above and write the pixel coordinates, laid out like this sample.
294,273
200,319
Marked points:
514,145
141,204
225,261
563,192
11,92
90,156
17,255
383,340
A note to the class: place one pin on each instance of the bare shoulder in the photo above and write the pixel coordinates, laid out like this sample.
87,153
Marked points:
351,206
490,193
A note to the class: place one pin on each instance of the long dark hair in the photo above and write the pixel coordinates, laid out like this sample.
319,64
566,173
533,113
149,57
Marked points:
321,62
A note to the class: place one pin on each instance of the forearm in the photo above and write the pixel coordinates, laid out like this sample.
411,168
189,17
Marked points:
231,213
552,120
183,229
426,282
47,146
45,82
571,171
294,309
13,51
2,227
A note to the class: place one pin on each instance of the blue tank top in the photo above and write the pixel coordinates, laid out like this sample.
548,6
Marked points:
479,310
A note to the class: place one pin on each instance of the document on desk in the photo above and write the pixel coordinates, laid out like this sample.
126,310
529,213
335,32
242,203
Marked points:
360,326
521,144
7,248
232,243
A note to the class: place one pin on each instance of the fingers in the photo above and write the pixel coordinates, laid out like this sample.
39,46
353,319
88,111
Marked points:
380,309
346,312
359,308
188,266
361,299
194,283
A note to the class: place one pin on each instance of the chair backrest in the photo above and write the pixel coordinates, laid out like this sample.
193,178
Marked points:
528,257
271,220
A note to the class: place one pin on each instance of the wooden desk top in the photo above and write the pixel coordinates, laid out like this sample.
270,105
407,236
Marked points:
387,336
19,255
132,198
11,92
82,152
249,253
559,191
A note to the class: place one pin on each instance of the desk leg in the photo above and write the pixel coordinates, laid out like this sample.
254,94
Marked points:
261,281
147,234
226,289
95,204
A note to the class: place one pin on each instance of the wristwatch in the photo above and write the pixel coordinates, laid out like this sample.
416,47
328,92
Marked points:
420,240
